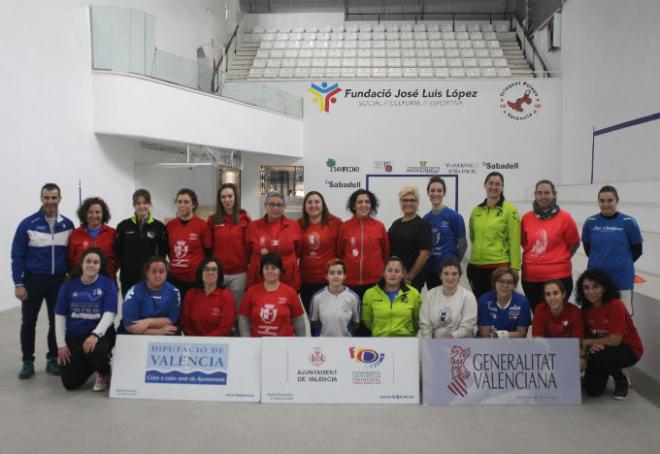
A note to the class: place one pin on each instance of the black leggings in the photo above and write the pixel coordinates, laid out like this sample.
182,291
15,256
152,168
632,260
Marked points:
604,363
306,292
480,279
534,291
82,365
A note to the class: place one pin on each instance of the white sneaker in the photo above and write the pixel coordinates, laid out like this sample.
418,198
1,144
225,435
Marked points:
101,383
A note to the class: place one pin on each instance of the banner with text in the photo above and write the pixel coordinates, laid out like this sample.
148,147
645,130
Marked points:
186,368
340,370
499,371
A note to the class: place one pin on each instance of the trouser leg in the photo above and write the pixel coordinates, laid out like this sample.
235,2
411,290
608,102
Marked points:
479,279
602,364
236,285
78,370
51,293
306,292
433,280
34,285
99,358
534,292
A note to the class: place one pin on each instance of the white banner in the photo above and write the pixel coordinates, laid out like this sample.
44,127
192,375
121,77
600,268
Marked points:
186,368
340,370
499,371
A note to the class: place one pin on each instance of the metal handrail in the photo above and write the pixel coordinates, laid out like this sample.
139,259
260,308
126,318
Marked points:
217,84
535,53
427,15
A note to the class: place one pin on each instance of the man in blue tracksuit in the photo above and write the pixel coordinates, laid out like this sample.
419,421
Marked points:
39,266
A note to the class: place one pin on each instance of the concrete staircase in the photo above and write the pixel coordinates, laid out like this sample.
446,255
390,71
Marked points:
241,62
514,55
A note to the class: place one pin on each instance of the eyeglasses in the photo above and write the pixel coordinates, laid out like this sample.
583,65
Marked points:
208,269
504,282
408,200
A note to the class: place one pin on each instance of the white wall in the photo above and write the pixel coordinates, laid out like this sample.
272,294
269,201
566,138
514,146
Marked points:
134,106
47,116
358,132
610,69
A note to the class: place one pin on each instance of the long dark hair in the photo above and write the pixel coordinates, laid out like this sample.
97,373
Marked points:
601,278
325,213
103,270
220,213
199,283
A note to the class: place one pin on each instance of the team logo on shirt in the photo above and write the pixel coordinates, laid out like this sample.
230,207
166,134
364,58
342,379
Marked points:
354,250
268,313
317,357
313,243
459,373
180,249
541,244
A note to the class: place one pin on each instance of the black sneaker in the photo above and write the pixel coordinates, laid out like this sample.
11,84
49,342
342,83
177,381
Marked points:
628,379
620,390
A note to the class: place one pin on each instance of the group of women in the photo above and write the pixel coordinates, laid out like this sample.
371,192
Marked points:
230,274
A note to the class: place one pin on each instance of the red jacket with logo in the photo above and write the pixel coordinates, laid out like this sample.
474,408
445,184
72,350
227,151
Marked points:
208,315
79,240
364,246
229,244
282,237
319,244
186,246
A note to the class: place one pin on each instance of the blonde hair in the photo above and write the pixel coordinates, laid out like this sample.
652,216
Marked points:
409,190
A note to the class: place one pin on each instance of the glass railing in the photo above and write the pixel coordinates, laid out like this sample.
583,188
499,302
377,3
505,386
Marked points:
124,40
264,96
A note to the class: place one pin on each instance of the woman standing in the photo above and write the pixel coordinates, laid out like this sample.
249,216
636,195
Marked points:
494,234
391,308
209,308
363,243
556,317
335,310
612,342
138,238
274,233
228,229
189,241
448,230
613,243
94,231
410,237
448,311
319,244
502,312
549,238
153,305
271,307
84,316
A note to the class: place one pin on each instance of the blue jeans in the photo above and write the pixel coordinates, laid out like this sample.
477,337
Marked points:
39,287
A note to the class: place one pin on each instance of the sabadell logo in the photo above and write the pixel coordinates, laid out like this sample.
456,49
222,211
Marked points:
324,95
